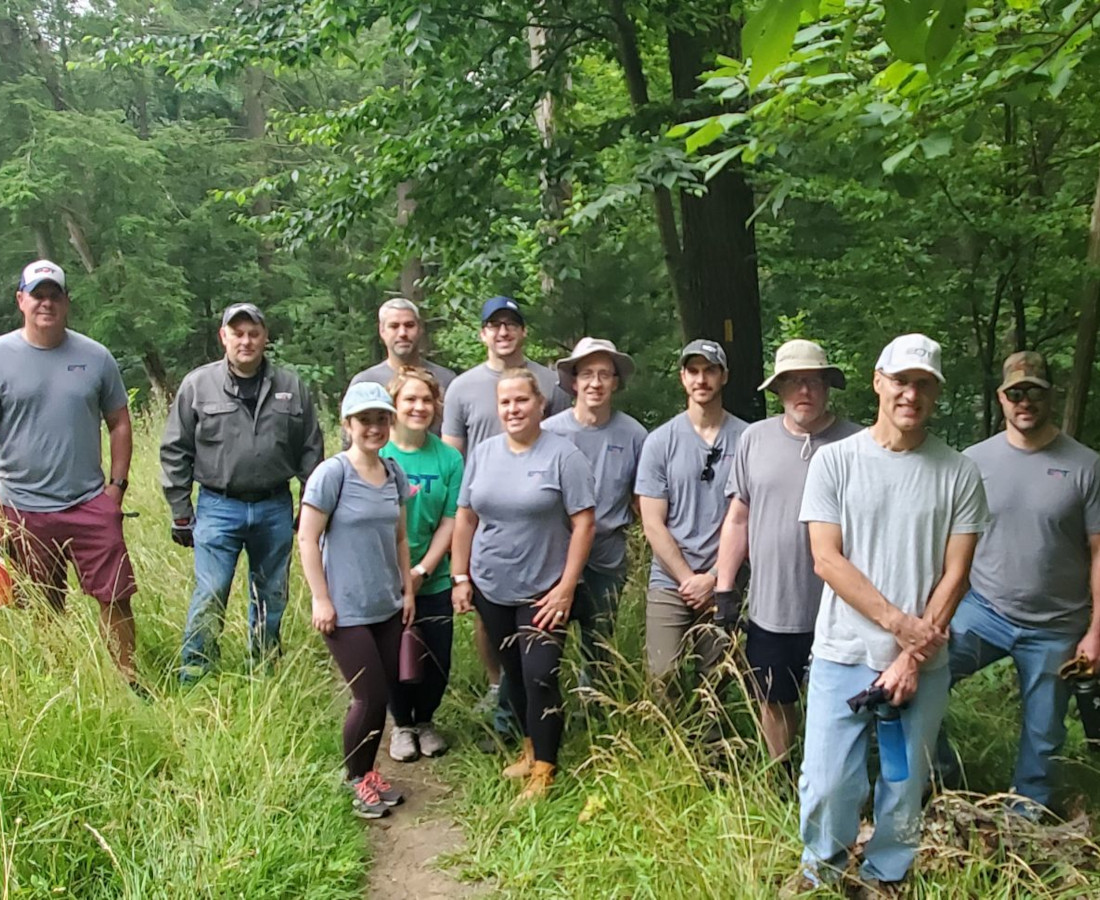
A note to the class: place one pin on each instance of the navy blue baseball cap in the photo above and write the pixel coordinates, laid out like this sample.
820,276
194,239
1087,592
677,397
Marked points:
496,304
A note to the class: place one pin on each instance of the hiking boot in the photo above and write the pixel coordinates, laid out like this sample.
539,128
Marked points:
403,745
390,795
523,766
367,803
538,783
431,741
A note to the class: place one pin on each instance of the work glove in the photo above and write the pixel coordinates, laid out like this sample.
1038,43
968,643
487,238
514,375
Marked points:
183,532
728,609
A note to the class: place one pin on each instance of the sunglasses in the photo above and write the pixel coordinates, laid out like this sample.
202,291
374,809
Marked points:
1034,393
713,455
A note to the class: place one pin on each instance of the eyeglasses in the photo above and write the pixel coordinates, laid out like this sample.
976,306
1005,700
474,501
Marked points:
502,325
813,382
713,455
1034,393
587,376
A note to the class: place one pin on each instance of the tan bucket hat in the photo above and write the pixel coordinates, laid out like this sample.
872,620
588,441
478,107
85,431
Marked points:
804,356
586,346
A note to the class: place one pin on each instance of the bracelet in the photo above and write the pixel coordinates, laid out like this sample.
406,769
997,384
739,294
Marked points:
420,570
460,579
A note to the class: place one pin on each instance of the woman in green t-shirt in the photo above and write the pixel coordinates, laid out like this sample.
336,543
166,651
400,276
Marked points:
435,475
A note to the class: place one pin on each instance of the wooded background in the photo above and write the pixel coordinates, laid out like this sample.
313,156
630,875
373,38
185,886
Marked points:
641,171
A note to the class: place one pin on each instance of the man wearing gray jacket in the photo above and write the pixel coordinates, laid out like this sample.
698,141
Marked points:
241,428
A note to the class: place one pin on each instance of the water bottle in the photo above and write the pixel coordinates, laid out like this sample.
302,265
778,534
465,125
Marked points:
1087,692
893,761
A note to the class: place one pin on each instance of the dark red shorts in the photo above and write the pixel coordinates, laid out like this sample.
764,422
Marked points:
89,535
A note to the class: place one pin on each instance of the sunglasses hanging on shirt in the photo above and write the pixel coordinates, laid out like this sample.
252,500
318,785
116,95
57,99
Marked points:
713,455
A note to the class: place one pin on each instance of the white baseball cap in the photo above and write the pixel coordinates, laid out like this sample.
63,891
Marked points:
41,270
911,351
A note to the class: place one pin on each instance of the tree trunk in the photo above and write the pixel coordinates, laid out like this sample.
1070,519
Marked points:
1085,352
160,385
255,126
721,300
79,240
411,283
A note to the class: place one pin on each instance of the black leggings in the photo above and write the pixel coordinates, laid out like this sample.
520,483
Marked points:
367,658
531,658
415,704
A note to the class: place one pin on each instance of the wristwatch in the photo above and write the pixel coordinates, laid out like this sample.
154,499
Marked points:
460,579
120,483
420,570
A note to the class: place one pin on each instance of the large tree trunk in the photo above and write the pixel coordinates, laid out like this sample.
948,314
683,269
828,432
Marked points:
255,126
721,298
159,382
1085,352
411,283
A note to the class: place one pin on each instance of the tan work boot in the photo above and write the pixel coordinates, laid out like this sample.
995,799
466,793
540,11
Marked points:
521,768
538,785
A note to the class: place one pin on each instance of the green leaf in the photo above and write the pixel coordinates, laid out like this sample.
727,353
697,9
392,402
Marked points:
892,162
708,134
905,29
944,33
769,35
937,144
972,129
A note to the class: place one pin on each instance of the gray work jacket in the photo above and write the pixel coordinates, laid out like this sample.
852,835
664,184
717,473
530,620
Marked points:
211,437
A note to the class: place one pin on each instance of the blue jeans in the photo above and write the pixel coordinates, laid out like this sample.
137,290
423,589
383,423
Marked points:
223,528
979,636
834,785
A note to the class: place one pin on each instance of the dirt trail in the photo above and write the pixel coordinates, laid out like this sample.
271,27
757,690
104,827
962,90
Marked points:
407,842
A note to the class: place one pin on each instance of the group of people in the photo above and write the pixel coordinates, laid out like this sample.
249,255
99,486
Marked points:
853,559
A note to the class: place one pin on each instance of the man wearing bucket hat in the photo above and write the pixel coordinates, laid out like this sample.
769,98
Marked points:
1035,583
894,515
470,416
681,476
612,442
57,388
765,490
241,428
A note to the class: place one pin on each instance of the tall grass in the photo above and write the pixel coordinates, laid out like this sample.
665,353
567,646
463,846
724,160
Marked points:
230,789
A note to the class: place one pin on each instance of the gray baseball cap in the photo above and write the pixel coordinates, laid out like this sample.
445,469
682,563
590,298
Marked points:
243,309
711,351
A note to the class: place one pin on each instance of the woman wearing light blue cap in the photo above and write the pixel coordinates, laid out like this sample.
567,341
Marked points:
355,555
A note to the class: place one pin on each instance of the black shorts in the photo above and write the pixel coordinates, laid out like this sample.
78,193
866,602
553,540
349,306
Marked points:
777,662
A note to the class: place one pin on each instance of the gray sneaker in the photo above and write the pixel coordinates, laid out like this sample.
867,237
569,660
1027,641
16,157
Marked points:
367,803
431,741
403,745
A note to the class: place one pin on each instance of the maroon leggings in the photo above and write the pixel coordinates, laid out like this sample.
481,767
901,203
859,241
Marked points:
367,657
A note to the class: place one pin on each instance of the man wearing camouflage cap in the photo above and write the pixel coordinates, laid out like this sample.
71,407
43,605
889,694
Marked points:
1035,583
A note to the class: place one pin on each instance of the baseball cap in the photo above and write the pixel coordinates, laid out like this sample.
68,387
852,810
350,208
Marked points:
801,356
243,309
711,351
496,304
586,346
363,396
1025,367
911,351
41,270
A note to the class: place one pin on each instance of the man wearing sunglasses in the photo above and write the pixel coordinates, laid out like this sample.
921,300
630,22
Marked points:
469,417
894,515
765,490
681,476
1035,583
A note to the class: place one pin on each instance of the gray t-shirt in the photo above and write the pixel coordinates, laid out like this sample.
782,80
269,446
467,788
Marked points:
523,502
896,511
671,469
1033,563
470,412
52,403
768,475
612,449
360,544
383,374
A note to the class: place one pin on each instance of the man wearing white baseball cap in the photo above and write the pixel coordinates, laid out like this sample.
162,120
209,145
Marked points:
57,387
894,516
612,443
765,490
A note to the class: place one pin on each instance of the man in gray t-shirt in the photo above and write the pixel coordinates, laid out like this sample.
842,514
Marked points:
612,443
894,515
470,416
765,490
1035,583
401,330
681,474
57,388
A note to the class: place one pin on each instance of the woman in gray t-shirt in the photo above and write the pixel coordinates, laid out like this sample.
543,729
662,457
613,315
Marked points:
355,555
524,527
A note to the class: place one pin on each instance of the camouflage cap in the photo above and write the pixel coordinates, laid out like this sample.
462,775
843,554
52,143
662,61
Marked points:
1025,367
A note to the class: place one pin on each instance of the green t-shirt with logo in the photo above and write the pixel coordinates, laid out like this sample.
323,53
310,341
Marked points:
435,476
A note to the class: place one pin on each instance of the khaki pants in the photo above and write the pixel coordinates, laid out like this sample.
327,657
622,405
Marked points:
671,627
